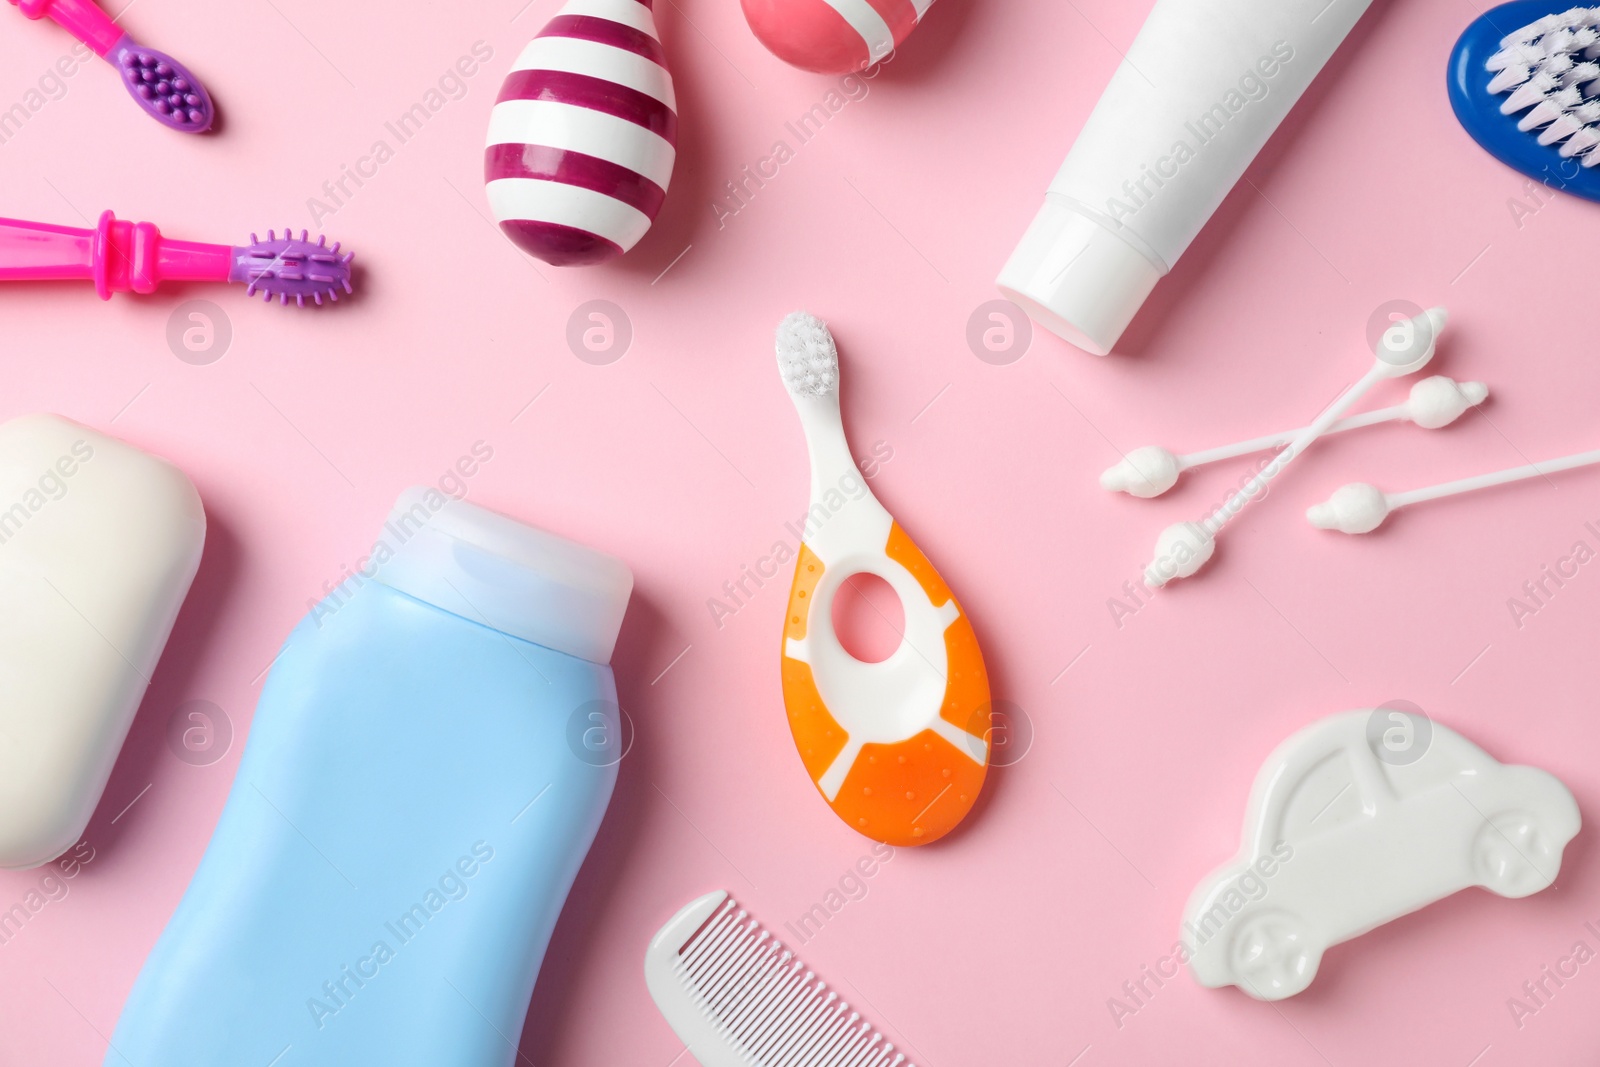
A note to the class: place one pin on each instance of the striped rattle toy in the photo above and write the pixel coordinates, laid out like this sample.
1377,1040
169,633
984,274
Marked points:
583,135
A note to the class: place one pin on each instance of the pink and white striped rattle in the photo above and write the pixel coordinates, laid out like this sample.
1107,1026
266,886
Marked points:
583,136
833,36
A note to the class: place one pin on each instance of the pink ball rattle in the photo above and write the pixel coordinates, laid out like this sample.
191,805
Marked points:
833,36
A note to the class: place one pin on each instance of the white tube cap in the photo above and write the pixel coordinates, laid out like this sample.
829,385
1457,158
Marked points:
506,575
1077,278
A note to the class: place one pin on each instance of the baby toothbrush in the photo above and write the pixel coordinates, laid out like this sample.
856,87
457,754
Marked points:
121,256
158,83
1404,349
1359,508
1434,404
898,749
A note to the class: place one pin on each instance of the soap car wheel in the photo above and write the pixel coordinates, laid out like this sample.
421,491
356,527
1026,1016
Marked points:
1513,856
1273,955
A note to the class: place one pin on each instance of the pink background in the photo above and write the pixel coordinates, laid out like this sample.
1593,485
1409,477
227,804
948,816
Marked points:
1003,943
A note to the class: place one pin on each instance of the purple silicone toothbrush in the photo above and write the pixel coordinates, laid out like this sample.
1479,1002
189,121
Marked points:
121,257
162,86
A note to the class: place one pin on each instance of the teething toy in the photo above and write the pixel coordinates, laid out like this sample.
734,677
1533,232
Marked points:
1434,404
1531,98
833,36
1405,348
583,135
899,749
1355,821
1360,508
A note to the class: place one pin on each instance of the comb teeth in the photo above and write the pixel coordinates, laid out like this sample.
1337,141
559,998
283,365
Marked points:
293,267
737,996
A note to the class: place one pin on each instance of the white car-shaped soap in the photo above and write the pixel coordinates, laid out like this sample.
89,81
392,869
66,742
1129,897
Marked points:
1359,819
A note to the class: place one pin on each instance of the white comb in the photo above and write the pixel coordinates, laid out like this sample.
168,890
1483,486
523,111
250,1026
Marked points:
738,998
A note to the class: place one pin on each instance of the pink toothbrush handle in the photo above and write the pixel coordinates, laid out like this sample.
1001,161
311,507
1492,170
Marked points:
81,18
118,256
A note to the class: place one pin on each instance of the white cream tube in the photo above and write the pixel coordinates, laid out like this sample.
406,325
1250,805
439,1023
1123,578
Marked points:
1203,87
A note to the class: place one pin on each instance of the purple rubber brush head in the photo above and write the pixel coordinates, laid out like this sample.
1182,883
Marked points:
292,268
163,87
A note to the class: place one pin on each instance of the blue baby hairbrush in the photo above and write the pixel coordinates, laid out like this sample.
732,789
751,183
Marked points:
1525,82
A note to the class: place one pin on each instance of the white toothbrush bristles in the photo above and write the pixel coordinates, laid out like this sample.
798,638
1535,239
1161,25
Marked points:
1549,70
807,357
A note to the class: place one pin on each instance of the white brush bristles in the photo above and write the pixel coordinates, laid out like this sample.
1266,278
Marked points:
807,357
1549,70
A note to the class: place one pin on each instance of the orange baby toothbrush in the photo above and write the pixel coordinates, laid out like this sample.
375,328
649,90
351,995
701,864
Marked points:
898,749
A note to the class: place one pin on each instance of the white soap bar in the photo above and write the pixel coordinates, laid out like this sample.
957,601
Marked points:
98,544
1359,819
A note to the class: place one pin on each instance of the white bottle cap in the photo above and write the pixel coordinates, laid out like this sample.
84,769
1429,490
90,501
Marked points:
504,574
1077,277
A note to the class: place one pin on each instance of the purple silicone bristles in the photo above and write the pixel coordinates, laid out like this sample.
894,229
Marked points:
163,87
290,266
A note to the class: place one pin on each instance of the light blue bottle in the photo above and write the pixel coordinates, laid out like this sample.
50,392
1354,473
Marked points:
429,762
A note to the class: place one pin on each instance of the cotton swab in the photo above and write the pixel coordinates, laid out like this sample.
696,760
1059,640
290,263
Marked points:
1404,349
1434,404
1360,508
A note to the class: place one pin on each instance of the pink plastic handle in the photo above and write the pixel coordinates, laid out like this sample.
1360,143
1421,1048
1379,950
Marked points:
118,256
82,18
